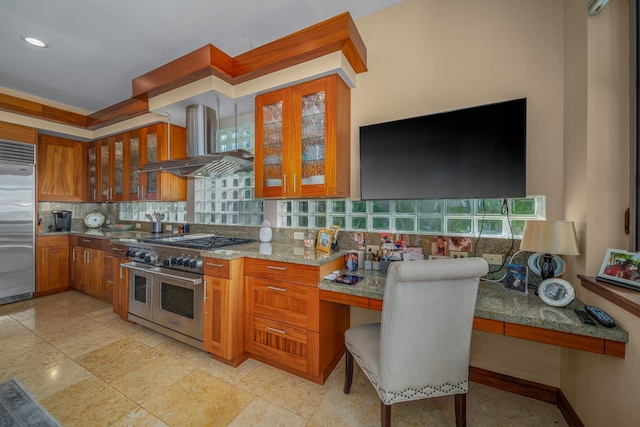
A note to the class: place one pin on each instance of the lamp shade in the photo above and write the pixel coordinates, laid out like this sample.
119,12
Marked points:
550,237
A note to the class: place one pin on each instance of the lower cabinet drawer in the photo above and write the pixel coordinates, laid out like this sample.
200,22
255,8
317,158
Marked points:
293,304
294,347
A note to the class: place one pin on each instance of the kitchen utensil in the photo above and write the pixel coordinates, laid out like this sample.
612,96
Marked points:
156,227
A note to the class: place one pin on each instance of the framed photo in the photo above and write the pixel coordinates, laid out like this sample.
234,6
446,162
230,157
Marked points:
335,229
516,279
325,238
621,268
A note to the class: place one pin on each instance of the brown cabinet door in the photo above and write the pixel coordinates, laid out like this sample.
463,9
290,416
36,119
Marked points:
213,340
293,304
53,269
59,169
76,266
286,345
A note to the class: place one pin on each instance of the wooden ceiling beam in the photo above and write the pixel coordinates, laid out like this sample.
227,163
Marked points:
25,107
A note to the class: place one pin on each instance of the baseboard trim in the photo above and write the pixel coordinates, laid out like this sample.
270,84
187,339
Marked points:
527,388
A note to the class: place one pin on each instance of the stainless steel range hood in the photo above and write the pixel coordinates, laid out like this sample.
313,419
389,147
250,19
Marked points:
202,159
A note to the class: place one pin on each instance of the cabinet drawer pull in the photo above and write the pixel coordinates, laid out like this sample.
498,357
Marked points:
277,331
210,264
87,241
117,249
273,288
273,267
205,291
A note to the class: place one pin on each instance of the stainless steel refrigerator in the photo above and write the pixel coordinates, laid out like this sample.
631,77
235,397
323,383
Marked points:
17,221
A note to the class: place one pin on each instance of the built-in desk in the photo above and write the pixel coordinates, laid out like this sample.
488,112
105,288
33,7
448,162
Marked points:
500,311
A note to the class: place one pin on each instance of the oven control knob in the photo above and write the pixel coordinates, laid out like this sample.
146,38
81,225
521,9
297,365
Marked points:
142,255
166,262
173,260
180,261
196,263
150,258
130,253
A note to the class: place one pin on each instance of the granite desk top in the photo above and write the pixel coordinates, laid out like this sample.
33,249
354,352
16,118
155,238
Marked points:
494,302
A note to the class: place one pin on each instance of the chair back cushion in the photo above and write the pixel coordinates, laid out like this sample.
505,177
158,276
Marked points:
425,332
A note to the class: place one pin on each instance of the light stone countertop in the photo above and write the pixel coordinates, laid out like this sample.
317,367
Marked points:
494,302
293,253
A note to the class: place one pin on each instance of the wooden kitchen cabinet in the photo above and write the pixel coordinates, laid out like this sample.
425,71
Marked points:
303,140
52,264
113,164
112,276
286,324
224,310
60,176
87,265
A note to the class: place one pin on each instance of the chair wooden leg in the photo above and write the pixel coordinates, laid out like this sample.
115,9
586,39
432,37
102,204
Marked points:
385,414
461,410
348,372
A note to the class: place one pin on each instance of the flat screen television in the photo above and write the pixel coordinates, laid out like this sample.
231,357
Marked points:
477,152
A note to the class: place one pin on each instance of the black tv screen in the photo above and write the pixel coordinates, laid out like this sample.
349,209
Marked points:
477,152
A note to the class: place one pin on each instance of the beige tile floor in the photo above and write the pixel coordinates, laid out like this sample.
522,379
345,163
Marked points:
89,368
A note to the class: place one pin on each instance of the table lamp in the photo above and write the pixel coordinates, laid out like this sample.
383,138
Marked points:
549,237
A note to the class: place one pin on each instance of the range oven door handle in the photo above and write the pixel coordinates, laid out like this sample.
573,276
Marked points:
156,272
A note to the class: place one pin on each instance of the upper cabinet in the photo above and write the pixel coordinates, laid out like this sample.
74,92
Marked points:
113,164
58,169
303,140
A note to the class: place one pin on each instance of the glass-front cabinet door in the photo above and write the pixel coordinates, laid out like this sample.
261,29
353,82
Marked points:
117,192
151,156
133,155
313,134
92,157
271,177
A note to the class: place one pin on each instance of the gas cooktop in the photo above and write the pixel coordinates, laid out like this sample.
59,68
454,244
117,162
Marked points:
196,241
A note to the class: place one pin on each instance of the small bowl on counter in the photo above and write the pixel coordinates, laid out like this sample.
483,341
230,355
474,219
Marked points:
120,227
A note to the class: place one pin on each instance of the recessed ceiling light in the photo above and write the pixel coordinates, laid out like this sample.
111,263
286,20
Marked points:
35,42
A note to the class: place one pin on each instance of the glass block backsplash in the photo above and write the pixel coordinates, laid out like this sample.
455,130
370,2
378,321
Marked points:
498,218
136,211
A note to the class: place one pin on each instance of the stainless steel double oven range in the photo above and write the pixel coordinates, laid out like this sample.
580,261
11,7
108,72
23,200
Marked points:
166,291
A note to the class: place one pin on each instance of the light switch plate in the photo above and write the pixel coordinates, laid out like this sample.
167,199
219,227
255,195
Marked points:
494,259
298,235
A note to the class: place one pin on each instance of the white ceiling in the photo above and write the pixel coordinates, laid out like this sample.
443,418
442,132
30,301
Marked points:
97,47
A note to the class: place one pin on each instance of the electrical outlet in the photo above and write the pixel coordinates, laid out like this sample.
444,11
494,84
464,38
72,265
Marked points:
458,254
168,227
495,259
298,235
138,225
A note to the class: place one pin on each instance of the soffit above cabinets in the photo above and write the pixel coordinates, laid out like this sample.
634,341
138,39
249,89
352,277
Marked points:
330,46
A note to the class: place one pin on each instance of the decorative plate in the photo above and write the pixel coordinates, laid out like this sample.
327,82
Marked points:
556,292
94,220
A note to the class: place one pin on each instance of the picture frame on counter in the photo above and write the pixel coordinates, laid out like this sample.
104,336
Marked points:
621,268
324,240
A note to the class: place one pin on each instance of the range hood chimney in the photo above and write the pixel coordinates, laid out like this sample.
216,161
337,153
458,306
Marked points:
202,158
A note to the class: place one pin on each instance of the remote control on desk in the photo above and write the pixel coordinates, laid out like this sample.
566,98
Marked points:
586,319
600,316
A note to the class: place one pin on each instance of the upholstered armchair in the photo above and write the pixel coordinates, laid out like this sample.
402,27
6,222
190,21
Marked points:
421,347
